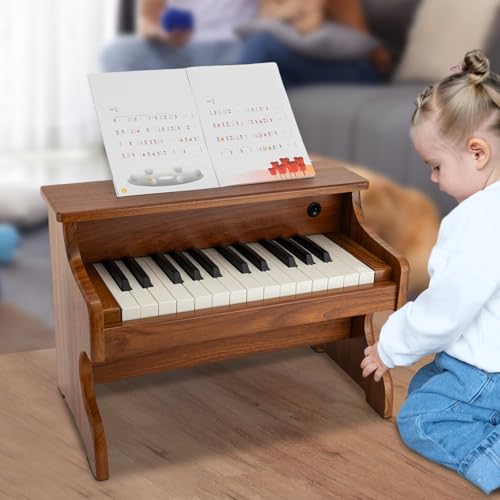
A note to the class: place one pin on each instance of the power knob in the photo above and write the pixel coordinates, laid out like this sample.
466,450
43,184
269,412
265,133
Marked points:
314,209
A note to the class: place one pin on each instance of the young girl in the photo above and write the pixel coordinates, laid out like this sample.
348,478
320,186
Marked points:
452,412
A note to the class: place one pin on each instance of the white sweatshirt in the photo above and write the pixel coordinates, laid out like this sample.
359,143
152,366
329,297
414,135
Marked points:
215,20
460,311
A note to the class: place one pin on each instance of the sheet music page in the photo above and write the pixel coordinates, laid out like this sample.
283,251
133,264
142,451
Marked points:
248,123
151,131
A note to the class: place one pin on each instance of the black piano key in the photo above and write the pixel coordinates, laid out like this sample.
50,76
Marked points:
313,247
205,262
279,252
138,272
173,275
117,275
192,271
258,261
233,258
295,249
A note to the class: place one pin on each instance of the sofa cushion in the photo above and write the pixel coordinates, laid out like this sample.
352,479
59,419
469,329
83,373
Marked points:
432,50
327,114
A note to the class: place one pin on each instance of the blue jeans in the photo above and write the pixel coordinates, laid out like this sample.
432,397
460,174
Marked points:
452,416
132,53
297,69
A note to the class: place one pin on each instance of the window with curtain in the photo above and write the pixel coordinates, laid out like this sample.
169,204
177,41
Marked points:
47,49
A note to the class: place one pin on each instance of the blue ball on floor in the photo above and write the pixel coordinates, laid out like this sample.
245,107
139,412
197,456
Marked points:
177,19
9,242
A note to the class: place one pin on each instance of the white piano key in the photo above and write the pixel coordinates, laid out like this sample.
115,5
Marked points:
264,278
287,285
202,297
220,295
237,292
166,301
366,273
319,280
185,301
339,273
350,275
128,305
302,282
254,290
147,303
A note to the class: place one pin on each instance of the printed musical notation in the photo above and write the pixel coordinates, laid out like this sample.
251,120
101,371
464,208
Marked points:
256,125
156,135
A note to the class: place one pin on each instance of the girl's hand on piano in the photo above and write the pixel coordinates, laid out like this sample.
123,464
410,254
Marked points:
372,363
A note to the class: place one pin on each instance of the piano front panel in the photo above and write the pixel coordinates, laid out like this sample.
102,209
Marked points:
232,323
120,365
141,235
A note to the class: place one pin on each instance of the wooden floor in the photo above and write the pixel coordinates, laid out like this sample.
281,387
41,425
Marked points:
286,425
21,331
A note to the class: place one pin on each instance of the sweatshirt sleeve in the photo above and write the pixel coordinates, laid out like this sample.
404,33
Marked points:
463,279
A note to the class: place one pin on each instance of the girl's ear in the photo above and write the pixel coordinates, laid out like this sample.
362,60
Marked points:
480,151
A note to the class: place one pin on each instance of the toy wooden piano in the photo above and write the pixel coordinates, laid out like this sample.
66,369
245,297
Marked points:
144,284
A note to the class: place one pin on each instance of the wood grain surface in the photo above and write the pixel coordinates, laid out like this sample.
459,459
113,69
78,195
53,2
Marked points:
286,425
97,200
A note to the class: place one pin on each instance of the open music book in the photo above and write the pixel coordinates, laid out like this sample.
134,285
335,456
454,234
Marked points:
197,128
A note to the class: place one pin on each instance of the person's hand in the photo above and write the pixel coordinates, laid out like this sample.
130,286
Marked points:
372,363
174,38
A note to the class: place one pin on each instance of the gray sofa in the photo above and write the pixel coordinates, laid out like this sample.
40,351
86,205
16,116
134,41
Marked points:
369,124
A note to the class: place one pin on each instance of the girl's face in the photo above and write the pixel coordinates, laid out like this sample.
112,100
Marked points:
453,170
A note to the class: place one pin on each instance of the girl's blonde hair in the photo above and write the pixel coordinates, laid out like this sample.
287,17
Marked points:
464,101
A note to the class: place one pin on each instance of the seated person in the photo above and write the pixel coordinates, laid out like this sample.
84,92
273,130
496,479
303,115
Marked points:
297,68
212,41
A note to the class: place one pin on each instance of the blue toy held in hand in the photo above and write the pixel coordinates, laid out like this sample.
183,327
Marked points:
174,19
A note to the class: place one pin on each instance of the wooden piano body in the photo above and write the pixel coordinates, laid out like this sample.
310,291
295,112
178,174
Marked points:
88,223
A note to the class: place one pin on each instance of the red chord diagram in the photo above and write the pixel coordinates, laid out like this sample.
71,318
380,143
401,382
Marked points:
286,166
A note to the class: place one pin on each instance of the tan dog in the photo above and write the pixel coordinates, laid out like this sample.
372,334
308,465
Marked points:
303,15
405,218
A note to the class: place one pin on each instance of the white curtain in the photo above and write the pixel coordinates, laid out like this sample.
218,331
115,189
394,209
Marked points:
47,49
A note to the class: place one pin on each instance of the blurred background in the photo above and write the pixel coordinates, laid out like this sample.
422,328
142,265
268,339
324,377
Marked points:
352,70
48,134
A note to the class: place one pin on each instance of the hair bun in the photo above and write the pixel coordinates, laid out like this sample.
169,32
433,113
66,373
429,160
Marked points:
476,66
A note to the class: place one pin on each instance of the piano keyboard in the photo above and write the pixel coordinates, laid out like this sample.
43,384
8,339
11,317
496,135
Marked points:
204,278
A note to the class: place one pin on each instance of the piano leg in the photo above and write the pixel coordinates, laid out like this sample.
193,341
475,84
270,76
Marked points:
348,353
319,348
80,397
74,340
99,459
